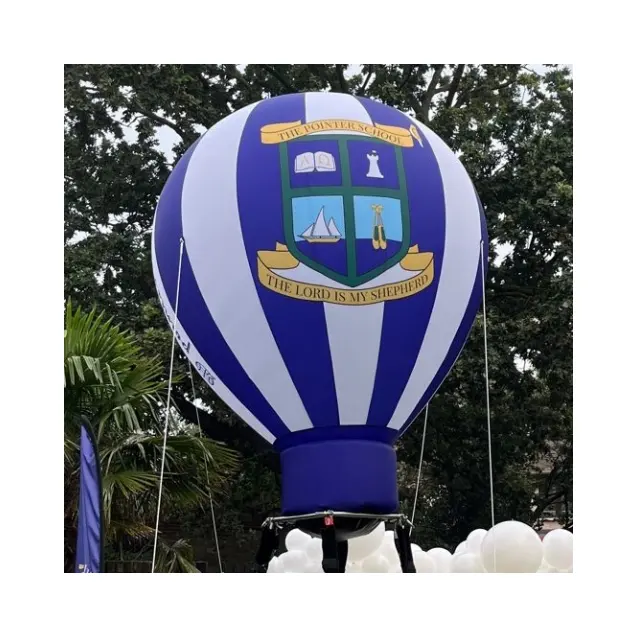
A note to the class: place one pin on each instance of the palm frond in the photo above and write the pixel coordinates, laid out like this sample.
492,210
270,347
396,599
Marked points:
108,379
71,450
105,374
175,558
129,482
132,529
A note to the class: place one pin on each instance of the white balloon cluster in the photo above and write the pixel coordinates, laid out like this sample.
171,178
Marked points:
508,547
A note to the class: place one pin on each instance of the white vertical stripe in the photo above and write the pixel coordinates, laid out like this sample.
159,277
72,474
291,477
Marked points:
195,358
212,231
461,258
354,333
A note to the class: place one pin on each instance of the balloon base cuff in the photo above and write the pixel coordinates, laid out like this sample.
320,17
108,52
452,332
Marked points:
358,476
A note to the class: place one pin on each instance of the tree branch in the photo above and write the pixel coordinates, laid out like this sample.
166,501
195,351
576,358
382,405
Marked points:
341,79
362,89
430,92
158,119
455,83
407,76
134,105
526,68
558,495
279,77
234,72
438,69
505,84
443,88
465,96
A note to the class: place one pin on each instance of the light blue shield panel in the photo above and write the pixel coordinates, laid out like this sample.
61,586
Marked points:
379,233
318,226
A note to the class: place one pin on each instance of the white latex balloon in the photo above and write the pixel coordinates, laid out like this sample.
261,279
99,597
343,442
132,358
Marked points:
461,548
558,549
388,548
544,567
353,567
375,564
313,567
314,550
511,547
474,540
389,552
296,540
361,547
275,565
415,548
387,543
294,561
424,563
442,558
466,563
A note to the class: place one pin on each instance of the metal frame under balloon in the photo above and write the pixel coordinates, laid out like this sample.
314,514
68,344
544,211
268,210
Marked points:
283,520
335,536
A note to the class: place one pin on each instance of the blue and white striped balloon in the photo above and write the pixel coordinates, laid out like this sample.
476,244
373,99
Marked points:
330,277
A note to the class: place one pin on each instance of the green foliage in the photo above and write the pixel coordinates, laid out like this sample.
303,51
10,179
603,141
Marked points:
511,125
106,378
109,380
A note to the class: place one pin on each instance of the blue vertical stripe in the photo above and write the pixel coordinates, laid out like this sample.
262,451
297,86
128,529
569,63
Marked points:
464,331
405,321
193,312
301,334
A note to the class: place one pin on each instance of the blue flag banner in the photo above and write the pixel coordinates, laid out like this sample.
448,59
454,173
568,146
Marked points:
89,526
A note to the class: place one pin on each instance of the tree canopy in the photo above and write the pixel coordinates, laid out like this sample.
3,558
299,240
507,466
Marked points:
511,125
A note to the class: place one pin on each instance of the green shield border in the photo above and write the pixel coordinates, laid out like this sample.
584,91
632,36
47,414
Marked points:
347,192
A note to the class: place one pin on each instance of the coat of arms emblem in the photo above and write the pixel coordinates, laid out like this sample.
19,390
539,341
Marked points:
345,214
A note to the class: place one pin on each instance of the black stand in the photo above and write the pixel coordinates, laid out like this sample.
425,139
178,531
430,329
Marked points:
334,552
269,544
403,546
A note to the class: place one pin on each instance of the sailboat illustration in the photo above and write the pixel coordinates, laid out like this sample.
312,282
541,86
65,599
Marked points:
320,231
378,232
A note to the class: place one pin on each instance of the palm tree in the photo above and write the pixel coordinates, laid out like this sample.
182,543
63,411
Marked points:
108,380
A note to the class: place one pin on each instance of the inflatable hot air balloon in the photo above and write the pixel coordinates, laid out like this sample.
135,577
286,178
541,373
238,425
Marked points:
328,279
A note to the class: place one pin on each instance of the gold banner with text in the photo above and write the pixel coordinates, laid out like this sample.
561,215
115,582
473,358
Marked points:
281,259
287,131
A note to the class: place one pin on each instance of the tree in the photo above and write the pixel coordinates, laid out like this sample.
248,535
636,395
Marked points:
511,125
108,380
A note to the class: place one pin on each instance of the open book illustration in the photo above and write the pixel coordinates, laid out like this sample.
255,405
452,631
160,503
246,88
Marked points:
320,161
